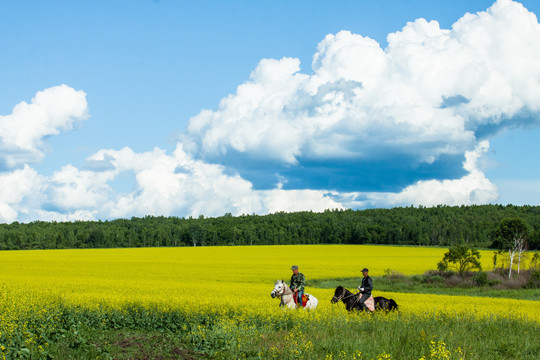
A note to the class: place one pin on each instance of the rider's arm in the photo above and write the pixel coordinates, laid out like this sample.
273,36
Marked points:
302,282
292,283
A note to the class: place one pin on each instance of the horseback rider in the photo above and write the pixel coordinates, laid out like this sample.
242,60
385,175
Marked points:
365,289
298,281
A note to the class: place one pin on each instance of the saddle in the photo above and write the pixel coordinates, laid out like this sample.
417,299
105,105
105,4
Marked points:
305,299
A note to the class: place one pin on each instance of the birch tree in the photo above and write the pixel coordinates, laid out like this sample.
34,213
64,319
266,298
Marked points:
512,237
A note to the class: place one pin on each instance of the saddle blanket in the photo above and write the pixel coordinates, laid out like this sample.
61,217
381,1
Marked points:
370,303
305,299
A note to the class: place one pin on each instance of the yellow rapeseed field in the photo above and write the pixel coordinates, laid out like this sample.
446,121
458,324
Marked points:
215,279
176,277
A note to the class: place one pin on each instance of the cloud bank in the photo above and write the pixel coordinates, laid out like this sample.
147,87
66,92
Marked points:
368,127
432,93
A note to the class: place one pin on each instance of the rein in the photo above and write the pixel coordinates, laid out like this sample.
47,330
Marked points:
343,297
282,292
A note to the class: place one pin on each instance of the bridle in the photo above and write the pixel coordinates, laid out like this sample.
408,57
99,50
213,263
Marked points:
342,296
280,292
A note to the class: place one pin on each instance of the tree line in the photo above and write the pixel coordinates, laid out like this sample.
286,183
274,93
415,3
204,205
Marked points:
428,226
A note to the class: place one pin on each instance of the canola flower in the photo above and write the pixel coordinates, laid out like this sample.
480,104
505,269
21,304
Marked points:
197,278
228,287
25,321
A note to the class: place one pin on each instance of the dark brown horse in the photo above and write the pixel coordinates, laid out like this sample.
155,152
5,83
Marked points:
351,301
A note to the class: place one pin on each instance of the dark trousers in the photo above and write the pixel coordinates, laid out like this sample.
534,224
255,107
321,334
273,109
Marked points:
363,300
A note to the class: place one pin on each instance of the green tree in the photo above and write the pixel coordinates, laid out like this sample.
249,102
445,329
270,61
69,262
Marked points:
440,226
461,257
534,240
512,237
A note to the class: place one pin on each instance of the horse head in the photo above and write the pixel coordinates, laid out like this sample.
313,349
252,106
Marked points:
339,294
279,287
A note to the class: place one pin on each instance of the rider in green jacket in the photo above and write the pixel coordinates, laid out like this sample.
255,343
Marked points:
298,281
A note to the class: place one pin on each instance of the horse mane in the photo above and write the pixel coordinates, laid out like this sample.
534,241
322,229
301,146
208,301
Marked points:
342,290
286,289
343,294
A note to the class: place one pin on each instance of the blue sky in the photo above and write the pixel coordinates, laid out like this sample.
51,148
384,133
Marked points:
147,67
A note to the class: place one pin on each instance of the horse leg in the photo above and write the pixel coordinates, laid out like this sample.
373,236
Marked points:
349,304
354,304
362,302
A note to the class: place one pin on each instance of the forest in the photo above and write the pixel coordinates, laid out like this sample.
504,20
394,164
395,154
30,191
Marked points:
426,226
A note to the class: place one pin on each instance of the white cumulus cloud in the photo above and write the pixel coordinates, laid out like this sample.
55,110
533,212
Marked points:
23,132
178,184
71,189
430,92
20,193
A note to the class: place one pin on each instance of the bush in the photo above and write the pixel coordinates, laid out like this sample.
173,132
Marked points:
534,280
393,275
495,278
481,278
535,262
454,280
433,279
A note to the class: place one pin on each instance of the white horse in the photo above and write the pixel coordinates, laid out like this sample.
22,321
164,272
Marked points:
286,296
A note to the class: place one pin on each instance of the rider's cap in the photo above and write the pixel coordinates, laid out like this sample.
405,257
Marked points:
294,267
365,269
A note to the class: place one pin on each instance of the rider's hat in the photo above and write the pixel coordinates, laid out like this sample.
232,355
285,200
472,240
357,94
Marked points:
294,267
365,269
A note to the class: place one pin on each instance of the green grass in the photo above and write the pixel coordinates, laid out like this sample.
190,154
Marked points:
417,284
121,344
139,333
410,338
135,332
373,335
